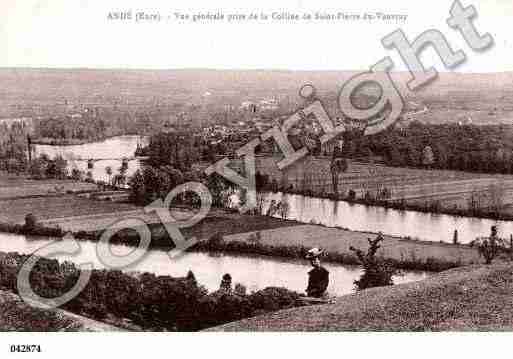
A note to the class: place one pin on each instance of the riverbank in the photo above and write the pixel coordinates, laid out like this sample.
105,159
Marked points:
86,219
433,190
474,298
260,235
417,204
143,300
294,242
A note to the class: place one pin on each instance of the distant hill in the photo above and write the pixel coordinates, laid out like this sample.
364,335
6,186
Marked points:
30,92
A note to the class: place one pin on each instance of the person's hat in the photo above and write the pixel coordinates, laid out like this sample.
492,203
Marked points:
314,253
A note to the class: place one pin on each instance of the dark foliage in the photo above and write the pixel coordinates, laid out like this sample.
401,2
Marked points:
471,148
150,301
377,272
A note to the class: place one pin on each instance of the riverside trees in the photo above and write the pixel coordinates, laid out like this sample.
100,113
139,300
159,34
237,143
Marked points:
484,148
44,167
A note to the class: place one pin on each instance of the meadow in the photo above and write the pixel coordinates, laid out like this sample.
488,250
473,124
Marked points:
16,187
450,189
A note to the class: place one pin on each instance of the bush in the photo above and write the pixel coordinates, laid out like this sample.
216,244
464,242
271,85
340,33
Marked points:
273,298
30,222
377,272
150,301
240,289
216,240
490,247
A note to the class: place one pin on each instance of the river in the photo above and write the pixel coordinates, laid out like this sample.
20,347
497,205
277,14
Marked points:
358,217
254,272
108,153
425,226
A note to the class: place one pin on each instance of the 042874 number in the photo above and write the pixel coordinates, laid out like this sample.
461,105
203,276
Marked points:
25,348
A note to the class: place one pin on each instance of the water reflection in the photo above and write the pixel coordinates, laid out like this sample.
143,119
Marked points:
255,272
110,152
330,213
426,226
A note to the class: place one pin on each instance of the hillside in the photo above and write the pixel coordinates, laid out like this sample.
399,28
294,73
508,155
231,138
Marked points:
16,315
477,298
484,98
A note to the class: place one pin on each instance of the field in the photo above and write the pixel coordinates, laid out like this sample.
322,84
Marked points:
338,241
451,188
76,213
45,208
217,221
15,187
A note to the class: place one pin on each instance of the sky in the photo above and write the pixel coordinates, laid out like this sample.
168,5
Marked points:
78,33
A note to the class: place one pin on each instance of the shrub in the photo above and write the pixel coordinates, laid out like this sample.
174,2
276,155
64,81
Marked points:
489,247
150,301
240,289
30,222
377,272
216,240
273,298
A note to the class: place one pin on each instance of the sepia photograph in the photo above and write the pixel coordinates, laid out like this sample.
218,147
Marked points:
342,167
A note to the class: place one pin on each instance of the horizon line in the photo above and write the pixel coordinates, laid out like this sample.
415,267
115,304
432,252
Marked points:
89,68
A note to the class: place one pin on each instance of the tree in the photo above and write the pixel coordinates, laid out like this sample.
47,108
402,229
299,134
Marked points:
226,284
474,201
496,195
118,180
428,157
395,158
217,184
108,171
441,156
57,168
61,167
455,237
176,177
30,222
121,177
76,174
137,186
489,247
14,165
37,168
413,156
124,166
338,165
377,272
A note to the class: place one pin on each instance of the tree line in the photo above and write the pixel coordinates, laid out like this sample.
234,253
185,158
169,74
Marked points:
473,148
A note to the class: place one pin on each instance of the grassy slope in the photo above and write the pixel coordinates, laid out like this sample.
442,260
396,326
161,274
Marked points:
466,298
16,315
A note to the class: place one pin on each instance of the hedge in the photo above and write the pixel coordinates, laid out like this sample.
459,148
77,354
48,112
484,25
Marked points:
148,301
